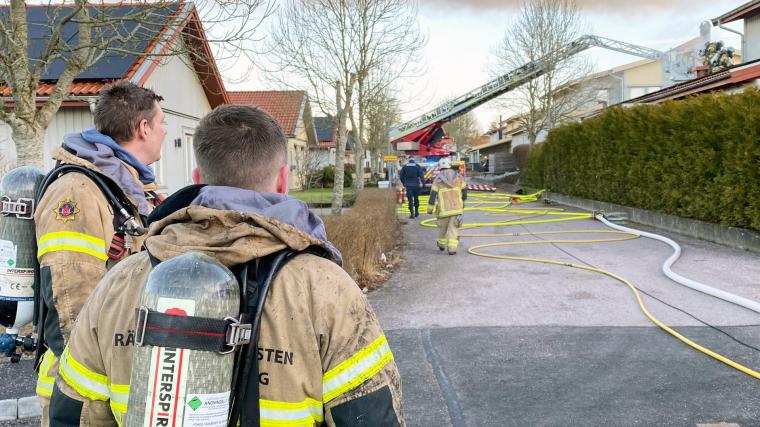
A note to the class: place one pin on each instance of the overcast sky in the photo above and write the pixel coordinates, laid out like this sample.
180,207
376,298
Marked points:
462,35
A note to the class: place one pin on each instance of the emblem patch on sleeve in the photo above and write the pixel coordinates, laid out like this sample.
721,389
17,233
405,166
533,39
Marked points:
66,210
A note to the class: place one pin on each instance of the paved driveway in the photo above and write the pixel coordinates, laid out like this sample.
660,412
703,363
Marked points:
484,342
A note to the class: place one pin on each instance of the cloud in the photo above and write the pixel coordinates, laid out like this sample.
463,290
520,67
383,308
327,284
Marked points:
601,6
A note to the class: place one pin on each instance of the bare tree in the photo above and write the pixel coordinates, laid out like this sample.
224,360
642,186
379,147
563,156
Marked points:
343,106
312,45
308,164
382,112
388,43
541,29
345,51
74,35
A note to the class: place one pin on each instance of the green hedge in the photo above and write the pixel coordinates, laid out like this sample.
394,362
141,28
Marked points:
696,158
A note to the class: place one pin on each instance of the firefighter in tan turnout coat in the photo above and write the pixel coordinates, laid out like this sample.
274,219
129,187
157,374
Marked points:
447,196
323,357
74,221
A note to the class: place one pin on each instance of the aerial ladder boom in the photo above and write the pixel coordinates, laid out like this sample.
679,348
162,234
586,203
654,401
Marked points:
425,129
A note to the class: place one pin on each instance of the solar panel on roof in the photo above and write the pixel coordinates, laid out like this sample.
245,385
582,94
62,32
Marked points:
324,127
139,24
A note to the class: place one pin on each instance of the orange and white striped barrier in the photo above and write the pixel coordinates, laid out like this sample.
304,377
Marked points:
480,187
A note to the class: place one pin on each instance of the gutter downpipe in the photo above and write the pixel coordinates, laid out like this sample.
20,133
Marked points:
741,35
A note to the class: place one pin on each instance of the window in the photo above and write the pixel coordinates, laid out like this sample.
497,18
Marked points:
190,162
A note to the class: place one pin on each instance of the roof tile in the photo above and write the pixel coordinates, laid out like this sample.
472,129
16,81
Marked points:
76,89
283,105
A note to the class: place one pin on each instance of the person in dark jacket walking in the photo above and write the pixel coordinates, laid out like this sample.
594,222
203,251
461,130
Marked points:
413,179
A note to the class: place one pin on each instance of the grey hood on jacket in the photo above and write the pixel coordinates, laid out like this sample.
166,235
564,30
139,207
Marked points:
277,206
104,158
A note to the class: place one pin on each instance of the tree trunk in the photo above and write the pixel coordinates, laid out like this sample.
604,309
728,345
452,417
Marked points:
358,152
340,152
29,147
359,130
373,163
340,159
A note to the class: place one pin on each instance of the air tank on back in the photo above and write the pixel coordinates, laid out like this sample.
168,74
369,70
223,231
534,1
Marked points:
177,386
18,257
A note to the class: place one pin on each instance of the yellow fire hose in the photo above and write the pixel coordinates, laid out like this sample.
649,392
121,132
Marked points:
476,203
474,250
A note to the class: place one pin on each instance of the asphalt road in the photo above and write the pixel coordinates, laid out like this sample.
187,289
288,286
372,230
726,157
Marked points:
483,342
17,379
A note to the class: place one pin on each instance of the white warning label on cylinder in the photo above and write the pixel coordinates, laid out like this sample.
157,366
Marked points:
207,410
16,284
8,252
168,373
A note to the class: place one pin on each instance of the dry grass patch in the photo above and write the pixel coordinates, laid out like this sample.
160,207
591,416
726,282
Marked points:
367,236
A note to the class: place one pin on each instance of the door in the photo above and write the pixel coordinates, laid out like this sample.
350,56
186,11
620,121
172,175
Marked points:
174,170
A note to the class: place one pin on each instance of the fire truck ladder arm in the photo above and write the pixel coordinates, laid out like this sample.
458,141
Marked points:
516,78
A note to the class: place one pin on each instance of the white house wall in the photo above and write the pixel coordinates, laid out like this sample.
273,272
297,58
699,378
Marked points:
179,85
184,104
66,120
522,139
752,39
296,148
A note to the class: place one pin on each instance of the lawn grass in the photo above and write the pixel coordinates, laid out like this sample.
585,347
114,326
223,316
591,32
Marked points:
321,196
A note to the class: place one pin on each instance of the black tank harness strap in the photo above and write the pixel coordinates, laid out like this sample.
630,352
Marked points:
123,222
124,213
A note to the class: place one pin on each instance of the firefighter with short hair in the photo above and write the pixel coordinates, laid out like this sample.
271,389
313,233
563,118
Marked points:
77,238
447,197
322,356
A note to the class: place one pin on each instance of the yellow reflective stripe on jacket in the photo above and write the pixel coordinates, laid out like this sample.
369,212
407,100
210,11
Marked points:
87,383
305,413
357,369
72,241
119,399
44,380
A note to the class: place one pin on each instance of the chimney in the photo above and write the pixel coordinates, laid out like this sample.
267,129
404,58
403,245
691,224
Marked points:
702,70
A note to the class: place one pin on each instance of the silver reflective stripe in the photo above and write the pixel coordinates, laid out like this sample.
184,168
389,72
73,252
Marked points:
83,385
118,393
366,363
45,388
291,414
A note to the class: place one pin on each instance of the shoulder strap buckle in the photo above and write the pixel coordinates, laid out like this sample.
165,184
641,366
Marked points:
142,322
236,334
22,208
117,248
